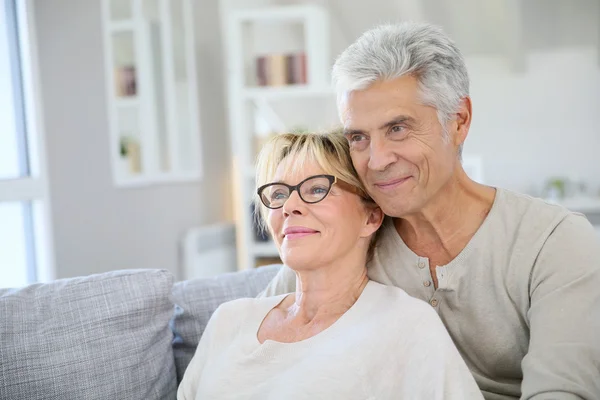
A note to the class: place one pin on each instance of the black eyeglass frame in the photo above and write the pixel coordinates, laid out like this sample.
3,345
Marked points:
332,181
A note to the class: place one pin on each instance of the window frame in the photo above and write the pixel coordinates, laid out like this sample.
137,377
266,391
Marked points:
32,187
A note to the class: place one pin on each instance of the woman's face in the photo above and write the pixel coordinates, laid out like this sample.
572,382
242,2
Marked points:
310,235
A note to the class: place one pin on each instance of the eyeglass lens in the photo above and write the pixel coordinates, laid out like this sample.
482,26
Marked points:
311,191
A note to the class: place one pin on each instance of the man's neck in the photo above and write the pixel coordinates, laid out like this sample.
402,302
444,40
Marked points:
444,227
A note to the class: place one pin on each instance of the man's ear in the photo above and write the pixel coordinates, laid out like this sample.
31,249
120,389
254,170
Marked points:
374,220
463,121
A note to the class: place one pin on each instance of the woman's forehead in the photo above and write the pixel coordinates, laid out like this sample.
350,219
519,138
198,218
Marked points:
294,169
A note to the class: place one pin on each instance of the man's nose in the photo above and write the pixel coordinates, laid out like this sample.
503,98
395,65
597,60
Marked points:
380,155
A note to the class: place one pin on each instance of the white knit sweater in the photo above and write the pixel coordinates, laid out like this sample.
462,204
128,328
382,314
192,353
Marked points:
388,345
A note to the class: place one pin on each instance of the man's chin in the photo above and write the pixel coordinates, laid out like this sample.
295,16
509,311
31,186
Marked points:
395,209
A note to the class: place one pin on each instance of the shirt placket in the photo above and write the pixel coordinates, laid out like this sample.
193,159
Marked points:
431,293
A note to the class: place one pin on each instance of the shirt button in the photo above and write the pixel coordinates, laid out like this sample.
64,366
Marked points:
421,264
434,302
426,283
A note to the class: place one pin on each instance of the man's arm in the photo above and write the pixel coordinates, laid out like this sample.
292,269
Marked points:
284,282
563,361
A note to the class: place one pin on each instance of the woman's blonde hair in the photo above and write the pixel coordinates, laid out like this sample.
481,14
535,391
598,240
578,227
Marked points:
329,150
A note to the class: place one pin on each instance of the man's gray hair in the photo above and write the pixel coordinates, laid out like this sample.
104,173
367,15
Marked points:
391,51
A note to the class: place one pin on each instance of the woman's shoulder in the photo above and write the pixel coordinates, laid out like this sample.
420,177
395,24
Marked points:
404,323
394,295
398,306
243,307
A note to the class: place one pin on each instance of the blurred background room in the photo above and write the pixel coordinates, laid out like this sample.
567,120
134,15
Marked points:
129,128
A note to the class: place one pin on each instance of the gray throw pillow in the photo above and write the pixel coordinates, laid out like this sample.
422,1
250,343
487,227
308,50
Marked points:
103,336
197,299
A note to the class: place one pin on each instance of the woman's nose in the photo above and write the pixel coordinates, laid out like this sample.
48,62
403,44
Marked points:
294,205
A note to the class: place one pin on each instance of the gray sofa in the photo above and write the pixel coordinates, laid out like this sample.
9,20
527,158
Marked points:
120,335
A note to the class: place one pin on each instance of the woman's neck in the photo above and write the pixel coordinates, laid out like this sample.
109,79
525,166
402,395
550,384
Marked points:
326,293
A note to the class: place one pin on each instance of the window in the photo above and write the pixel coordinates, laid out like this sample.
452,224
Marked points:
25,244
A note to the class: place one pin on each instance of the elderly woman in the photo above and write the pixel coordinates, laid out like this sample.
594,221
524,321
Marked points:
339,335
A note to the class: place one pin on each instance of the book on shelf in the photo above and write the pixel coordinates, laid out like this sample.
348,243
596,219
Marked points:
277,70
281,69
125,81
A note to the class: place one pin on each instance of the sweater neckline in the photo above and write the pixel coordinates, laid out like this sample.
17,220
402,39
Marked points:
351,315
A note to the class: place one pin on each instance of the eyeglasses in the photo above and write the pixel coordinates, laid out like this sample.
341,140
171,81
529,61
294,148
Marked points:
311,190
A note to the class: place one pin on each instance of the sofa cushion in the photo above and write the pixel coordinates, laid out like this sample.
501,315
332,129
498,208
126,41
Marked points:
104,336
197,299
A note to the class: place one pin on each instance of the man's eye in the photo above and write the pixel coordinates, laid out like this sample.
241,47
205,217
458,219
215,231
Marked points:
397,128
357,138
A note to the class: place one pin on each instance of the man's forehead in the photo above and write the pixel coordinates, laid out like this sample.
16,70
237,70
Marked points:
378,118
379,103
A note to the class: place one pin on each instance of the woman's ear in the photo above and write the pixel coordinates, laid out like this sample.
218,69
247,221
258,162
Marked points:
374,220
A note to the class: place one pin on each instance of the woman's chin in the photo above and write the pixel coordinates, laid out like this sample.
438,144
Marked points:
297,258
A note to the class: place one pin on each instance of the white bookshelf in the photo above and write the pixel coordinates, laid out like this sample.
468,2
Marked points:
259,111
287,92
151,91
122,26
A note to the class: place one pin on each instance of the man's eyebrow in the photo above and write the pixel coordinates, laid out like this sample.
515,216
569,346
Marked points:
396,121
401,119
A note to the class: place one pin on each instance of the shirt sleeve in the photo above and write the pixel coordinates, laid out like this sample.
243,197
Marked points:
191,378
563,360
283,283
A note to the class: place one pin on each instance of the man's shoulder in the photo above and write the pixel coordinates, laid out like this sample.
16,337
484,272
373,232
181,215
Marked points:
531,231
516,206
525,222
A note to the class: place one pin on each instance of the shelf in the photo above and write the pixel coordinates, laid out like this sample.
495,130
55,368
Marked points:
125,102
258,111
287,92
126,25
147,180
276,14
151,86
264,249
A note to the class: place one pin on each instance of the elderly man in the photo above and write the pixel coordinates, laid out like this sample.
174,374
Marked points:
515,280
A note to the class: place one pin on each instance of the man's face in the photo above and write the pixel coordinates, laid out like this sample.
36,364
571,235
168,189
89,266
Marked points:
397,145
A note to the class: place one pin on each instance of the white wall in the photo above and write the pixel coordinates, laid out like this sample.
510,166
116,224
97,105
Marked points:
528,126
537,124
98,227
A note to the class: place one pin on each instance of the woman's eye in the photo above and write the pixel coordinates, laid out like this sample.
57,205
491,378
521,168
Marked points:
318,190
278,195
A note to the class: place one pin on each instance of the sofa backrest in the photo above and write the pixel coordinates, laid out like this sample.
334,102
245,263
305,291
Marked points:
103,336
197,299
